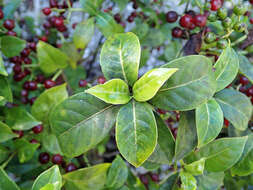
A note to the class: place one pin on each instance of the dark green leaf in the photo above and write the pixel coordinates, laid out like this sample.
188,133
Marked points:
6,182
5,90
4,153
246,67
6,133
169,182
210,181
2,68
11,46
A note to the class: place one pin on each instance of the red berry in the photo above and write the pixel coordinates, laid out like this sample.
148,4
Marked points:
101,80
216,4
244,80
161,111
32,85
200,20
1,14
250,92
24,93
190,12
19,133
34,141
74,25
17,69
57,159
70,167
155,177
53,3
40,78
19,77
186,21
135,5
37,129
83,83
27,61
32,46
134,14
47,25
251,2
43,38
32,100
58,22
174,132
117,18
130,19
49,84
46,11
144,179
25,52
24,100
251,20
242,89
171,16
11,33
226,122
16,60
9,24
62,28
27,71
44,158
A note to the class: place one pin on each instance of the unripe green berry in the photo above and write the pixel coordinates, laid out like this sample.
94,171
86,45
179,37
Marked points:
240,10
227,22
210,37
212,17
222,44
222,13
239,27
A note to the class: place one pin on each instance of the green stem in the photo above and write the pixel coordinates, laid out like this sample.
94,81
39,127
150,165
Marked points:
30,66
86,161
8,160
57,75
239,40
228,34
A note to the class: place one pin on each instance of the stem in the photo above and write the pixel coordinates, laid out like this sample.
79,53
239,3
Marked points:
30,66
228,34
187,6
8,160
56,75
239,40
86,161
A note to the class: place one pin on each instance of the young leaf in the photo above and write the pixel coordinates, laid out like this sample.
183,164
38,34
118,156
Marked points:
220,154
51,58
117,174
90,178
136,132
2,68
83,33
196,168
6,182
11,46
47,100
246,67
226,68
114,91
120,57
210,181
187,135
5,90
6,133
188,181
236,107
51,176
147,86
209,121
83,121
187,89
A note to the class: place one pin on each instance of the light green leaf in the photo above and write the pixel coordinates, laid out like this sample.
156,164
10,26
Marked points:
5,90
51,143
196,168
188,181
246,67
120,57
83,33
220,154
51,58
114,91
82,128
47,100
6,182
187,89
209,121
210,181
91,6
147,86
11,46
6,133
136,132
226,68
91,178
51,176
236,107
2,68
117,174
19,119
187,135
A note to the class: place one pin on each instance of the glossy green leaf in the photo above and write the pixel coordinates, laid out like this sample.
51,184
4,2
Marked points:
19,119
209,121
83,121
188,181
90,178
5,90
147,86
6,182
83,33
6,133
47,100
186,136
51,143
244,166
114,91
120,57
134,182
91,6
246,67
210,181
187,89
136,132
226,68
220,154
2,68
11,46
117,174
196,168
169,182
50,176
107,25
236,107
51,58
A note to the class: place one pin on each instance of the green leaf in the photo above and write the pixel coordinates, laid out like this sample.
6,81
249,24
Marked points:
83,33
12,46
187,135
4,153
19,119
51,176
107,25
220,154
83,121
147,86
51,58
47,100
154,38
5,90
226,68
210,181
120,57
172,50
91,178
2,68
117,174
244,166
114,91
6,133
209,121
170,182
121,4
10,7
188,181
246,67
187,89
51,143
6,182
74,56
236,107
196,168
91,6
136,132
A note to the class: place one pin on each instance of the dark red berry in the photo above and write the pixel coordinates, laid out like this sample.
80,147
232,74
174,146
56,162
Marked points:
226,122
135,5
251,2
53,3
200,20
130,19
18,77
57,159
27,71
47,25
171,16
74,25
24,93
101,80
242,89
44,158
32,100
83,83
34,141
251,20
32,85
49,84
9,24
11,33
40,78
144,179
191,12
70,167
27,61
58,22
1,14
134,14
19,133
43,38
216,4
25,52
16,60
46,11
117,18
244,80
38,129
17,69
32,46
186,21
62,28
161,111
250,92
26,85
24,100
155,177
